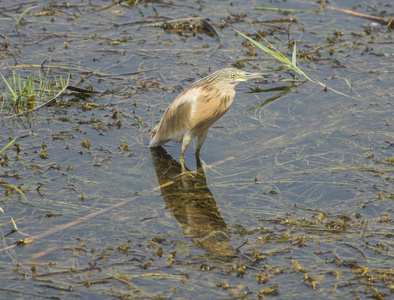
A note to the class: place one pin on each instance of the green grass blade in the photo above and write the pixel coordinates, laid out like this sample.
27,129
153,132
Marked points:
292,64
8,145
15,227
18,83
282,58
68,80
41,86
14,78
46,84
294,55
22,14
276,54
9,87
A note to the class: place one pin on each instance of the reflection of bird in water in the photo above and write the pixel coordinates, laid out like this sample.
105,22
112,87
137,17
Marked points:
194,111
192,205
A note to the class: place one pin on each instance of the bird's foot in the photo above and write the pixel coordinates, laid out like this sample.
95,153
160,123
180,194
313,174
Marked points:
185,174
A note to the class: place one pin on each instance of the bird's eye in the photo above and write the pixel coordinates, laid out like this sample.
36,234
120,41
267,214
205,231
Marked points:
233,75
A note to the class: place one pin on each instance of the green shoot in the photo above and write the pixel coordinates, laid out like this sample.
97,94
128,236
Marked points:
15,227
294,55
12,91
8,145
276,54
21,15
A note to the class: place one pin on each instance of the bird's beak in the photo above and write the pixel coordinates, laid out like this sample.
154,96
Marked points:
251,76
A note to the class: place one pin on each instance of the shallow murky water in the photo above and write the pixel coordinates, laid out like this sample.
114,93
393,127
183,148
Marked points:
294,191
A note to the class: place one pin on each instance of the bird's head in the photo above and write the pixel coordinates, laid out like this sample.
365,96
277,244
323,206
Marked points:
235,76
226,78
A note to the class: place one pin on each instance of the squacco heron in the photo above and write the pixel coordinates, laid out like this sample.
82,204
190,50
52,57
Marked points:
194,111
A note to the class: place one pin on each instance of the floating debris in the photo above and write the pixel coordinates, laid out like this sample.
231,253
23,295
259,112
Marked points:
194,25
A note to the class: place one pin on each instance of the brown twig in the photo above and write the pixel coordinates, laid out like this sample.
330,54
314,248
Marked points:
388,22
7,45
68,225
358,249
337,258
364,230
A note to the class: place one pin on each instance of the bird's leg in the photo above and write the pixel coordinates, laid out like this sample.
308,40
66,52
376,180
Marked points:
200,174
186,141
182,165
201,140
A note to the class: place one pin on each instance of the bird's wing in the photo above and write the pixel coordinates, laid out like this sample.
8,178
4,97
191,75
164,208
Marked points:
176,120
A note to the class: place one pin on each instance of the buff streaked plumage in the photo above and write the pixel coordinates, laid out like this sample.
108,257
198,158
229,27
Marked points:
198,107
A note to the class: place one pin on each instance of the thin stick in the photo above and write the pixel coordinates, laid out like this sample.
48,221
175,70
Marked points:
359,250
364,230
7,45
68,225
349,12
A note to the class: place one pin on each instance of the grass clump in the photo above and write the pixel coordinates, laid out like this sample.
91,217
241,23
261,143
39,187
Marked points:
25,94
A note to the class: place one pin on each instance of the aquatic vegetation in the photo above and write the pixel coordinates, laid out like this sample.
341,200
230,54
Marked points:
27,93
